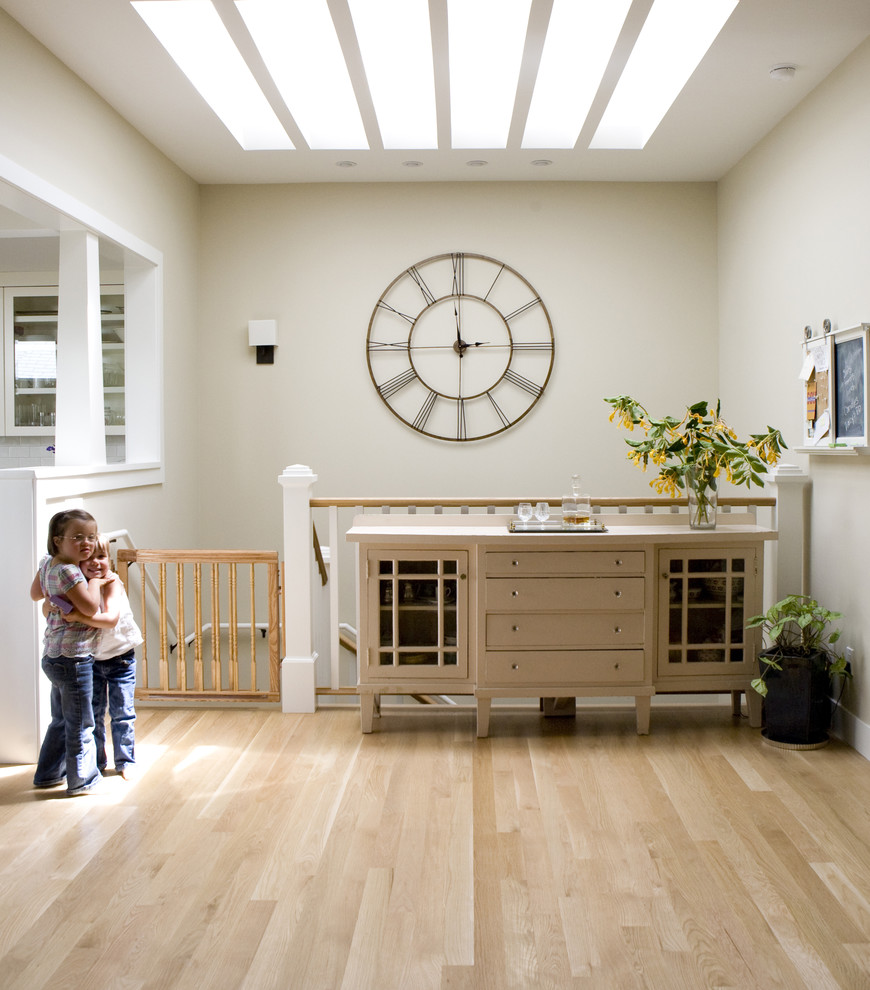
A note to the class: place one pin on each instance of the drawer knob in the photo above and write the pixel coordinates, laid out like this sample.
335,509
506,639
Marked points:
515,666
515,563
616,666
515,594
617,594
515,628
617,629
618,562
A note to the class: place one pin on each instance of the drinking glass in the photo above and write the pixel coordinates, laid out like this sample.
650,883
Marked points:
542,511
524,511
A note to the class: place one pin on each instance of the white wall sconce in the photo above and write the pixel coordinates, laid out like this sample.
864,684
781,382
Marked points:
263,334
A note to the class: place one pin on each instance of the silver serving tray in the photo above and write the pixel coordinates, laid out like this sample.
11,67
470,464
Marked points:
533,526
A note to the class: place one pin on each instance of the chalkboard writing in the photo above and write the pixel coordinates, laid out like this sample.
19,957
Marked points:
850,386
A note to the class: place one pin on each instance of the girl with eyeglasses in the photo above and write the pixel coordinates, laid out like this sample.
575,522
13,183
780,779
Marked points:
68,752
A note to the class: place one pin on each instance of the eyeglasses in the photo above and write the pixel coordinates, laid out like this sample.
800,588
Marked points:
80,538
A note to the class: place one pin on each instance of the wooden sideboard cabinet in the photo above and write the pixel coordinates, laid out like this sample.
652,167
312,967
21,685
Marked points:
563,623
459,605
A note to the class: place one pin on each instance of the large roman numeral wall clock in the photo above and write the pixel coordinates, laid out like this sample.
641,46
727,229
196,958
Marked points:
460,347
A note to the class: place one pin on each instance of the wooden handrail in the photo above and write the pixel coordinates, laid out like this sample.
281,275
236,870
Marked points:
736,501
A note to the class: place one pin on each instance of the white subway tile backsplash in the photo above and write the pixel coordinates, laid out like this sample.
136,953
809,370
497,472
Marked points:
33,452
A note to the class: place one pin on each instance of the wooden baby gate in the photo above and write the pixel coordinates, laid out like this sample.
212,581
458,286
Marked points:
213,629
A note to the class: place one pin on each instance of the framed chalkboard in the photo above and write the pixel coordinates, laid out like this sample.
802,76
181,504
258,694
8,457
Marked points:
850,385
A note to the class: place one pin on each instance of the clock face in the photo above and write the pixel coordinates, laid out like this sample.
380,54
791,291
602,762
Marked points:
460,347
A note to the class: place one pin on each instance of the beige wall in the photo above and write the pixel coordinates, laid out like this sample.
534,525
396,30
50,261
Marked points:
53,125
794,249
628,273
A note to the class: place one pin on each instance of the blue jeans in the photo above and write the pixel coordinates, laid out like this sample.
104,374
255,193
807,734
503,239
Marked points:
68,749
115,684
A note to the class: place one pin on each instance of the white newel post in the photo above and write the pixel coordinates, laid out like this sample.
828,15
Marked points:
791,551
298,679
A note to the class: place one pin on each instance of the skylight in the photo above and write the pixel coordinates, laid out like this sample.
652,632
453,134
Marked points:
335,62
194,35
396,46
486,40
674,39
579,43
298,43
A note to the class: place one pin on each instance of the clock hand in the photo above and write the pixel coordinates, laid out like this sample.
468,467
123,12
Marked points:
460,344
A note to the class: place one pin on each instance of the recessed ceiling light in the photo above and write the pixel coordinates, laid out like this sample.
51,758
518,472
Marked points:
476,163
542,161
195,37
396,47
412,164
303,55
674,39
346,164
578,46
485,47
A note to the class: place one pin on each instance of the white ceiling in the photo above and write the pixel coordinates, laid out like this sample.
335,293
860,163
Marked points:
726,107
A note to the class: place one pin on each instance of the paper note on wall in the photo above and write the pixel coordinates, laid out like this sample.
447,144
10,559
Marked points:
820,356
822,427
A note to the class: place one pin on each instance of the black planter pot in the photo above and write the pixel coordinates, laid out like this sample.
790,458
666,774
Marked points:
797,708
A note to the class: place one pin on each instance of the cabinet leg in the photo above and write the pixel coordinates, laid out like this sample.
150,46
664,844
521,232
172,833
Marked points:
753,703
642,707
484,706
366,710
736,697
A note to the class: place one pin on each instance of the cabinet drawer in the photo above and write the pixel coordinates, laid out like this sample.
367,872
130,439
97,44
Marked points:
565,629
564,562
564,667
559,594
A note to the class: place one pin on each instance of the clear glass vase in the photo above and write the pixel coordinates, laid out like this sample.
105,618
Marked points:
703,499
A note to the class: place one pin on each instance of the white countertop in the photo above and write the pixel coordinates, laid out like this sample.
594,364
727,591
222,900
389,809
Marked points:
462,530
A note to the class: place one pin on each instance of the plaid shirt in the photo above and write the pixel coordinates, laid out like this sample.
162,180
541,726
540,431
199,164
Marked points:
64,639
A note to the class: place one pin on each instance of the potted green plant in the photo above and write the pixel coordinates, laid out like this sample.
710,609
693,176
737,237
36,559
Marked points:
796,670
693,452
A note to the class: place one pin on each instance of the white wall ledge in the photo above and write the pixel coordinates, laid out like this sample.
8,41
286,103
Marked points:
74,481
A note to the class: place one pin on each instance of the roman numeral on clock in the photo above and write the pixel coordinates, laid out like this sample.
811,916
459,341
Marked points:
422,416
428,295
399,381
522,309
526,384
498,410
458,274
383,305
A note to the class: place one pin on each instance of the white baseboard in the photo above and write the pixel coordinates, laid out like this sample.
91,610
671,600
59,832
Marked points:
851,730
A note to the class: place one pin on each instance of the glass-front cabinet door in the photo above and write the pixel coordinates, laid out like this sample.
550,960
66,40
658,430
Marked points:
30,357
705,598
417,615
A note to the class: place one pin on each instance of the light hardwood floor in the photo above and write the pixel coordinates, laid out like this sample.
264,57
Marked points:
259,850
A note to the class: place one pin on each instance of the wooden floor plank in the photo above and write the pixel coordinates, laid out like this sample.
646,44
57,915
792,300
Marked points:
262,851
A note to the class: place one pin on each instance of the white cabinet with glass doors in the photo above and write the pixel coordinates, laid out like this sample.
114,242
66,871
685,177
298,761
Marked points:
30,359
